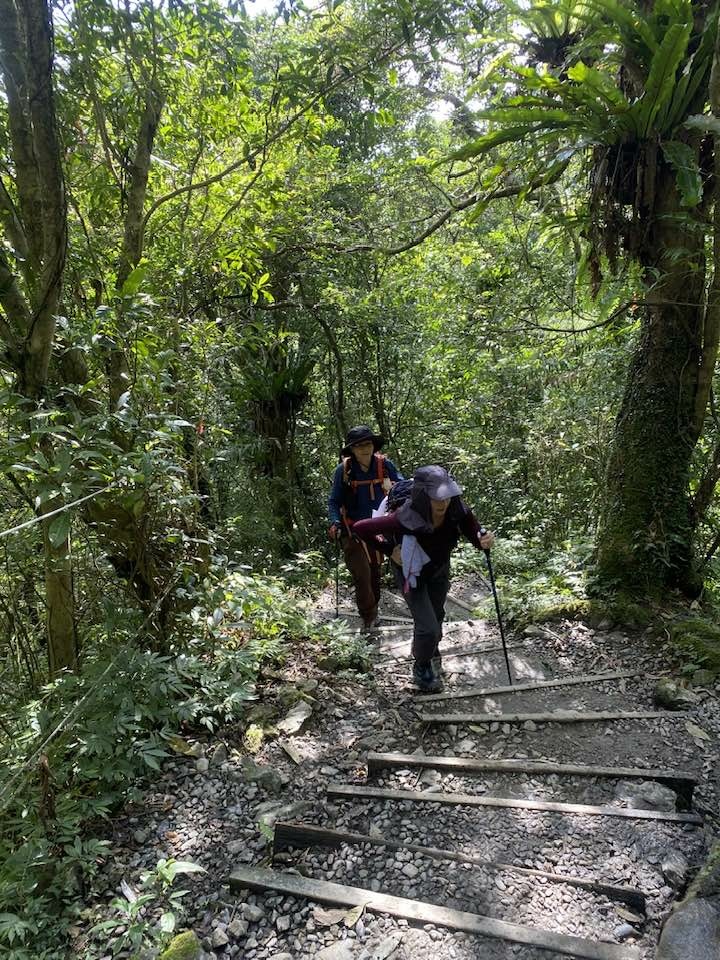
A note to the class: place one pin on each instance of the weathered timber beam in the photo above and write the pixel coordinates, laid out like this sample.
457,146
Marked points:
460,603
464,651
324,891
353,792
354,615
682,782
449,625
464,692
556,716
308,835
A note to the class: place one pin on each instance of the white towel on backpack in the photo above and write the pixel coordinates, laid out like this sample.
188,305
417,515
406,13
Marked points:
414,559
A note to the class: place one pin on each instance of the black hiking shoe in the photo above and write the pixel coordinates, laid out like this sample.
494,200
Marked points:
371,628
424,678
436,664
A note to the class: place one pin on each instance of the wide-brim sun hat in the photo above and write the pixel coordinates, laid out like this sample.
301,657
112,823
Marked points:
436,482
360,434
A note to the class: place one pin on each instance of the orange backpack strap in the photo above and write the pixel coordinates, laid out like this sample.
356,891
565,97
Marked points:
346,464
379,469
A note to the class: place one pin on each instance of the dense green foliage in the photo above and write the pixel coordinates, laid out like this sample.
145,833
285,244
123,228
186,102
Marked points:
490,231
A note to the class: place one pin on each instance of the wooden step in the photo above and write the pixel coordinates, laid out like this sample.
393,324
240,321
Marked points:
354,615
300,835
448,627
682,782
556,716
353,792
460,652
462,692
324,891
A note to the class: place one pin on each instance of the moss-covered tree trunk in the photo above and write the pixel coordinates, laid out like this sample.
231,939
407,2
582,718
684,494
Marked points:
645,537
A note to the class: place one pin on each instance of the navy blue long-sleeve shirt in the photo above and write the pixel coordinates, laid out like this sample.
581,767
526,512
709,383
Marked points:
360,504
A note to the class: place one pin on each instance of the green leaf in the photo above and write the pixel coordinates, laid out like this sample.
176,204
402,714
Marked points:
186,866
505,134
661,79
599,84
58,529
631,22
167,922
684,161
132,284
520,114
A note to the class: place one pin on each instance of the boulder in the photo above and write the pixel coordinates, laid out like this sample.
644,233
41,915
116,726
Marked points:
692,931
704,678
219,755
266,777
669,695
267,813
185,946
219,938
646,795
340,950
675,868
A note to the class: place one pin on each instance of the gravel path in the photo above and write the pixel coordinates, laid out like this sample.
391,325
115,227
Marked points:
208,808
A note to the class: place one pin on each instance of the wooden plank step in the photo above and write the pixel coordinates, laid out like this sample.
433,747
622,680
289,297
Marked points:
448,626
461,603
354,615
288,834
556,716
343,791
392,628
682,782
325,891
461,651
463,692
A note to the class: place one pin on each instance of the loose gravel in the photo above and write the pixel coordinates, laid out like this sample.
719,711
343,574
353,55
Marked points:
218,813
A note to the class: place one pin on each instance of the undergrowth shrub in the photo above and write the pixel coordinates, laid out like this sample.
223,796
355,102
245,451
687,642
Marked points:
115,720
533,582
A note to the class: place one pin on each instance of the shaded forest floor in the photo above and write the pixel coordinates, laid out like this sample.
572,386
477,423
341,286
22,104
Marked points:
216,807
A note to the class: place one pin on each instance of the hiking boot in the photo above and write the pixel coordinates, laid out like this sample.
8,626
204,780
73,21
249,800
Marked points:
424,678
371,625
436,664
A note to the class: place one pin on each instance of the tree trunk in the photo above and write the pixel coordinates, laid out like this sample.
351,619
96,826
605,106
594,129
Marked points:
645,540
60,603
134,236
37,229
61,626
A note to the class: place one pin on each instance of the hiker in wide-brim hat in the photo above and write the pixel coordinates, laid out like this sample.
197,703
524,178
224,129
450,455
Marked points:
426,527
361,481
361,434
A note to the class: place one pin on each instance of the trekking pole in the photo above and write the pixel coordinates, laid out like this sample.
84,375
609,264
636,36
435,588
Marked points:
337,579
497,607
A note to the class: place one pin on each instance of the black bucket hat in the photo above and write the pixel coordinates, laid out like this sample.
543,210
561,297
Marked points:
359,435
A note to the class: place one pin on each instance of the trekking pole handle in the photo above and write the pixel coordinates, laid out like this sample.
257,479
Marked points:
485,550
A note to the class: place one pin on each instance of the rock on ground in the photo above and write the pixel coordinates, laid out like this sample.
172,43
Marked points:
691,933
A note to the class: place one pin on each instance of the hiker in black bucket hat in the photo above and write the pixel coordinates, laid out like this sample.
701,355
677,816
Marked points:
420,536
361,481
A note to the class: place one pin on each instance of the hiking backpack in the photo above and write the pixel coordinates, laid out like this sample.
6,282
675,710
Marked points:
381,479
399,493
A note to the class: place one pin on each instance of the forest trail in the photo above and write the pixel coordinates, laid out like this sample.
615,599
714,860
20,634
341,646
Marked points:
582,862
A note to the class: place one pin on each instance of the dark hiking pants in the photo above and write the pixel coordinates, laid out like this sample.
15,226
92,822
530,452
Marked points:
362,562
427,606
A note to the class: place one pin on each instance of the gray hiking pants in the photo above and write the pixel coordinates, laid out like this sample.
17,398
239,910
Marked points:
427,606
